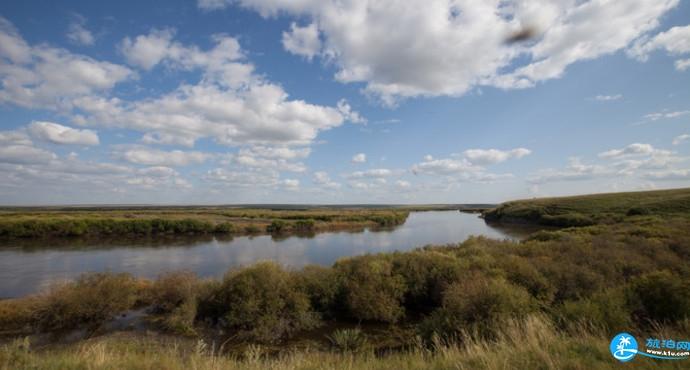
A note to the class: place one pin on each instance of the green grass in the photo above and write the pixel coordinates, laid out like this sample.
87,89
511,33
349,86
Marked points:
592,209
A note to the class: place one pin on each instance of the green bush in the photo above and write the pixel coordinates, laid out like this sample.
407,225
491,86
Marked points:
607,310
90,300
371,290
304,226
660,296
174,297
262,303
224,228
277,227
426,275
479,305
322,286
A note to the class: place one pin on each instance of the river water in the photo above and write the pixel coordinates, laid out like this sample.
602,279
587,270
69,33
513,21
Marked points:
28,267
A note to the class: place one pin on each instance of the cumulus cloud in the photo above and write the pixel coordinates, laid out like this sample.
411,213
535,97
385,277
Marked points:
59,134
230,104
576,170
78,33
174,158
302,41
42,76
675,41
632,149
443,47
24,154
493,156
323,179
233,178
359,158
370,174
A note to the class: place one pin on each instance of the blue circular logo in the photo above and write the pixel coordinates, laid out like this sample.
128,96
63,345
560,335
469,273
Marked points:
623,347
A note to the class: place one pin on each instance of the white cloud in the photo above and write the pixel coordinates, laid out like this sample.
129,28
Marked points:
323,179
441,47
370,174
575,171
230,104
608,97
45,77
683,174
14,138
24,154
242,178
302,41
78,33
174,158
493,156
666,115
403,184
632,149
290,184
675,41
349,114
59,134
359,158
680,139
682,64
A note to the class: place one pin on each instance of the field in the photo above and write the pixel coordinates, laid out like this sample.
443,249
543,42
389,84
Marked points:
553,300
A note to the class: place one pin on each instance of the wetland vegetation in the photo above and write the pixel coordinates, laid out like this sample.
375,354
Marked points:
553,300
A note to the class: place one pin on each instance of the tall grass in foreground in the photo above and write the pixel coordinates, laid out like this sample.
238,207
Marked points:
531,343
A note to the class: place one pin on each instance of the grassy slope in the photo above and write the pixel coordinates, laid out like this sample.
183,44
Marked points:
591,209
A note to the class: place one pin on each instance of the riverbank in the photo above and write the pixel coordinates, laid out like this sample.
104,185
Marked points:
437,305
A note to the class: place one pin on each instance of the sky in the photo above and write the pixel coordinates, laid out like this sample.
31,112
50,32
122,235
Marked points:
340,101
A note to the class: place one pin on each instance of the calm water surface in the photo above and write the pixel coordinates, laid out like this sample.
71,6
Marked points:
31,267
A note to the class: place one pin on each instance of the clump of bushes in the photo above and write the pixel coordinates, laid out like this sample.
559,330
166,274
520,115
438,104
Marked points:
262,303
90,300
478,305
174,297
660,296
371,289
304,226
277,227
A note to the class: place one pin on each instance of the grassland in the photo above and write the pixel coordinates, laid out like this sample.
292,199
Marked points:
592,209
142,221
553,300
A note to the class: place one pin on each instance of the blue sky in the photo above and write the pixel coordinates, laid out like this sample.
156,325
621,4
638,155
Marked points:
354,101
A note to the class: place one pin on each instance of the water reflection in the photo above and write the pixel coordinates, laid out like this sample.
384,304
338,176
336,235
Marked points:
27,267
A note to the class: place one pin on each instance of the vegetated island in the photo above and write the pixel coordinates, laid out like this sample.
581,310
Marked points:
161,221
554,300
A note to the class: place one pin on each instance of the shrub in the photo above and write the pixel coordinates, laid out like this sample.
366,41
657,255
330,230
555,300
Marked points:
261,302
660,296
277,227
174,297
304,226
371,290
426,275
477,304
607,310
224,228
90,300
322,286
